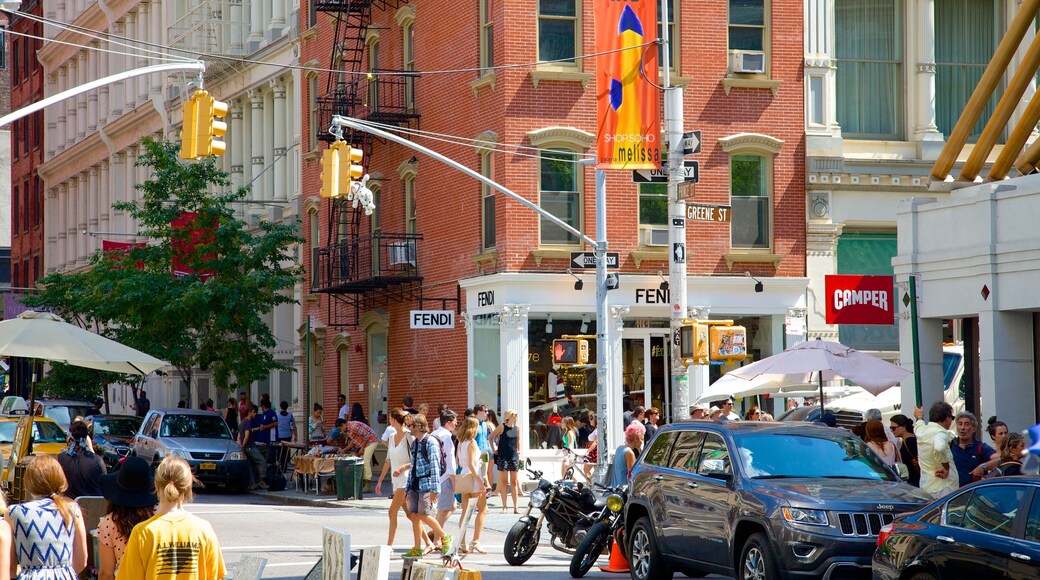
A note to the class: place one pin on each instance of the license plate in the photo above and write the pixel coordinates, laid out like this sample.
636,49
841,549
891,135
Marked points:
208,466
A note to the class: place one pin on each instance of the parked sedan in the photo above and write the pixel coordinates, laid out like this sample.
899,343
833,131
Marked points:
990,529
111,436
200,437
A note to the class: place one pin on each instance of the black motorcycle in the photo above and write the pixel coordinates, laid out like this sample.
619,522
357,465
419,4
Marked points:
610,522
567,509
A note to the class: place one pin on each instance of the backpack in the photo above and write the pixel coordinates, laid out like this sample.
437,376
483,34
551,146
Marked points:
275,479
426,452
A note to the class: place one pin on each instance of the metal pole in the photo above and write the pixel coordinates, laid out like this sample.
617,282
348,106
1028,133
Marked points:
914,345
607,411
157,68
673,119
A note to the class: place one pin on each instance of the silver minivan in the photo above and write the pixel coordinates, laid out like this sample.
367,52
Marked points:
202,438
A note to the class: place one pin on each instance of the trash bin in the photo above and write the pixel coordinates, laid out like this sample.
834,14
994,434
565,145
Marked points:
350,474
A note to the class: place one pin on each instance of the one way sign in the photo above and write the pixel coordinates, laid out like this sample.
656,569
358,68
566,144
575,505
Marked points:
691,173
588,260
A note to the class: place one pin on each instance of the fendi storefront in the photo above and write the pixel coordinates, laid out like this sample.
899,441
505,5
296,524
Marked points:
512,319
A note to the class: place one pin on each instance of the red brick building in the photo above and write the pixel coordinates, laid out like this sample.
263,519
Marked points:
438,236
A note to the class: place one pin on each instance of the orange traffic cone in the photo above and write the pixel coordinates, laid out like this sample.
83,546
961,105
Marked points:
618,563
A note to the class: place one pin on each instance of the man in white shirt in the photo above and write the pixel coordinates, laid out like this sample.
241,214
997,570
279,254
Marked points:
933,450
344,410
446,497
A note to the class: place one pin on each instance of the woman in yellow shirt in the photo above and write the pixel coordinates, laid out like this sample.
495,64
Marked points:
173,544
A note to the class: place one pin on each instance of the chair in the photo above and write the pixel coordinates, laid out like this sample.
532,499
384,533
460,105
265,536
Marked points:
303,469
93,508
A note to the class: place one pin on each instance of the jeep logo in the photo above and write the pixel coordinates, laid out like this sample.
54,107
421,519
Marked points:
882,506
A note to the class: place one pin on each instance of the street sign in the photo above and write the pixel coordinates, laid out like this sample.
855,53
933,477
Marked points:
706,212
588,260
432,319
691,141
691,173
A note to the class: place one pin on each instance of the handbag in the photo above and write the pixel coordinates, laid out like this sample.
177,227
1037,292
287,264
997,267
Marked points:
904,471
468,483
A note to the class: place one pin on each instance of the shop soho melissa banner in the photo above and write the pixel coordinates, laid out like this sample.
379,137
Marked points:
628,112
860,299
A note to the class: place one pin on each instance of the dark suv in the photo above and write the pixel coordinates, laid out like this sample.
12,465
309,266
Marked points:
759,501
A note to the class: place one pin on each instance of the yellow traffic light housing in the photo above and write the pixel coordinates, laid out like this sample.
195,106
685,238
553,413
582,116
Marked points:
189,130
727,343
705,341
570,351
202,131
331,186
693,343
352,158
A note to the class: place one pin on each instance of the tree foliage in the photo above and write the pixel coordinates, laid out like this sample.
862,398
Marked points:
212,318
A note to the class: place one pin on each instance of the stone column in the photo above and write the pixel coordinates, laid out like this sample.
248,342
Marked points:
257,130
513,358
1006,377
923,54
71,113
105,197
117,90
93,214
820,78
91,58
268,139
277,23
256,24
238,155
82,74
82,209
61,13
129,86
118,184
143,10
51,116
50,257
237,36
71,202
127,193
281,185
821,259
103,104
155,24
61,212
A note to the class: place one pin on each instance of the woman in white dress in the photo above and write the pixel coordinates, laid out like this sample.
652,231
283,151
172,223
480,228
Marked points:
397,455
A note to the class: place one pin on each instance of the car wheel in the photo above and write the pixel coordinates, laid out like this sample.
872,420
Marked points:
644,559
756,560
694,573
236,485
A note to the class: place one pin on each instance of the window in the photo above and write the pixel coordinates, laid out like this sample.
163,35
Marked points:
991,509
558,37
673,31
26,206
15,208
312,102
487,205
560,194
869,55
687,450
409,205
312,14
373,83
38,218
16,51
714,458
14,138
487,38
747,25
750,182
653,204
408,57
658,452
1033,523
315,229
3,42
966,36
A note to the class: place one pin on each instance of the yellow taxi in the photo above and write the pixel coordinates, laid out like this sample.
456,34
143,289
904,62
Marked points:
48,437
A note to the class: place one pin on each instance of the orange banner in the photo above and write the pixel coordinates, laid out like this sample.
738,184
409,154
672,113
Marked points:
628,112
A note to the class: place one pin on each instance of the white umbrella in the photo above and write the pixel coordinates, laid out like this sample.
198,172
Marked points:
45,336
828,361
729,385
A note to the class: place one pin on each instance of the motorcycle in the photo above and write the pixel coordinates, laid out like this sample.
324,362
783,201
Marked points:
610,523
567,509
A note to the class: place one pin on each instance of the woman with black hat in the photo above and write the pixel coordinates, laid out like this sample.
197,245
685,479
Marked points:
131,500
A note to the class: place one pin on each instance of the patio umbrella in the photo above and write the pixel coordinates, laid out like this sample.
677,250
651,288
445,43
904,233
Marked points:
828,361
729,385
45,336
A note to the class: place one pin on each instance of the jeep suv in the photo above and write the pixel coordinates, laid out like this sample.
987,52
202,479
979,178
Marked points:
759,500
200,437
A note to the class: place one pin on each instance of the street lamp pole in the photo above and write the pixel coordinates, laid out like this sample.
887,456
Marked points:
673,119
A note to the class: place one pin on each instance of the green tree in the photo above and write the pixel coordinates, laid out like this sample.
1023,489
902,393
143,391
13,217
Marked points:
207,315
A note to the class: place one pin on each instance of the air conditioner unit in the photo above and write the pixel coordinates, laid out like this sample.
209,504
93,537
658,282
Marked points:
401,253
743,61
655,237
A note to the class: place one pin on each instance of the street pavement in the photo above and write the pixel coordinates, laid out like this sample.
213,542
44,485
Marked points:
289,534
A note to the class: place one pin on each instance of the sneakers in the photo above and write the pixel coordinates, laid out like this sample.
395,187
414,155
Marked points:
413,553
445,544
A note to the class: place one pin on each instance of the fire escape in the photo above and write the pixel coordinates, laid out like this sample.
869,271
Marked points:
364,270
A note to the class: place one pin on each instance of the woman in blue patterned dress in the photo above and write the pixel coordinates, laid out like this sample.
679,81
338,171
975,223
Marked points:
49,536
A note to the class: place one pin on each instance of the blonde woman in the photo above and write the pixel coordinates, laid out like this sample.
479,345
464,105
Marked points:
506,438
50,540
173,537
397,455
471,485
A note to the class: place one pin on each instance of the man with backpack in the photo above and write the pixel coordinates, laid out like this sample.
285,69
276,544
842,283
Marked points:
423,485
360,439
969,454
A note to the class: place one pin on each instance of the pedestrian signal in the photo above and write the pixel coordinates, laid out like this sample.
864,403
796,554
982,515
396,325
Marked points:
693,343
727,343
570,351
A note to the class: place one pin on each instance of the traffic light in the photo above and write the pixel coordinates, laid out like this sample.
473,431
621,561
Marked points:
693,343
351,162
330,170
727,343
570,351
189,132
201,131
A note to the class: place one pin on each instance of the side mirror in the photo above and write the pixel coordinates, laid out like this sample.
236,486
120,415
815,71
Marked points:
527,463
